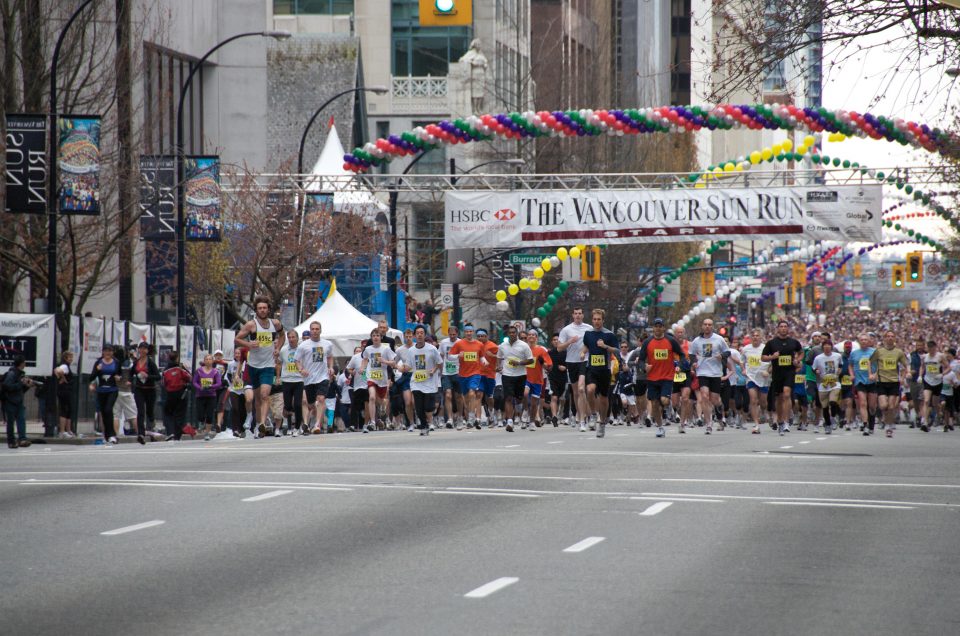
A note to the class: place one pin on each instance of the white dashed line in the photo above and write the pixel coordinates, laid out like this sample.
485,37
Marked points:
656,509
493,586
835,505
560,442
133,528
805,442
589,542
484,494
820,439
268,495
513,446
694,500
785,447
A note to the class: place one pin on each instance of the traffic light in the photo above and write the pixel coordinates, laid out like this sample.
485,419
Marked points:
915,267
899,276
857,270
590,263
799,275
789,293
708,283
446,12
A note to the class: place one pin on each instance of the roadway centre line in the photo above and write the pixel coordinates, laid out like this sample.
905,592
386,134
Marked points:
580,546
814,499
656,509
133,528
785,447
513,446
493,586
820,439
835,505
805,442
268,495
559,442
484,494
667,499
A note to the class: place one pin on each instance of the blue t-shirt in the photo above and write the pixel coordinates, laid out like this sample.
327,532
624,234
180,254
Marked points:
860,363
597,357
104,373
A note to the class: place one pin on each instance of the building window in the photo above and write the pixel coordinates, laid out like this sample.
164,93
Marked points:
315,7
423,51
164,74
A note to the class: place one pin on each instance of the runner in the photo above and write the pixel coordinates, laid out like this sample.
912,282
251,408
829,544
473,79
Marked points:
783,353
488,379
682,383
450,378
262,336
758,377
533,390
660,356
740,398
892,367
600,346
422,361
470,353
206,382
106,372
707,349
810,377
933,365
377,358
241,394
846,386
949,393
402,384
292,378
571,342
626,386
916,385
864,383
514,356
314,359
221,365
827,367
557,376
358,389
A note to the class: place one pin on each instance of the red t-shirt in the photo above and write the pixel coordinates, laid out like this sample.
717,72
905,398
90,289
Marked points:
490,352
470,360
541,359
661,353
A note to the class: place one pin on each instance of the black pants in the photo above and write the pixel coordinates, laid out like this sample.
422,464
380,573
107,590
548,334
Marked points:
238,411
105,402
206,409
424,403
145,399
358,403
293,402
175,411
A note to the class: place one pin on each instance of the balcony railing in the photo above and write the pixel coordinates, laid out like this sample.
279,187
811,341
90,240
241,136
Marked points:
419,94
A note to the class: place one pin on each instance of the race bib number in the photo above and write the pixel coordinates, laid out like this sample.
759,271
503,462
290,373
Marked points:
799,379
933,367
829,380
292,367
419,376
469,356
753,361
889,364
679,377
661,354
449,367
237,383
598,360
265,338
206,383
864,364
785,361
846,381
375,375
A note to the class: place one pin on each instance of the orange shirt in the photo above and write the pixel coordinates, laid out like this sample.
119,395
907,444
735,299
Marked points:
541,359
660,355
490,352
470,360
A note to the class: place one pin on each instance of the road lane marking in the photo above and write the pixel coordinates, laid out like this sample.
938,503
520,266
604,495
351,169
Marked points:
560,442
493,586
677,499
580,546
785,447
820,439
513,446
268,495
133,528
800,500
836,505
656,509
485,494
805,442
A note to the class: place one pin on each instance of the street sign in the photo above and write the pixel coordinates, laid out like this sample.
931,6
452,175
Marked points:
528,259
753,292
446,295
733,273
570,269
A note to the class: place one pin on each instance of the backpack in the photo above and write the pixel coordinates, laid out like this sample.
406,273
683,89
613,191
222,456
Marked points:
174,379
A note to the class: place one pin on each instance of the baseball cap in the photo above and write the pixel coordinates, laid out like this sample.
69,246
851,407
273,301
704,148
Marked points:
143,345
658,322
220,351
305,334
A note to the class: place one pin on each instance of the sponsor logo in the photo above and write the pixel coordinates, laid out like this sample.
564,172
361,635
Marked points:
823,196
505,214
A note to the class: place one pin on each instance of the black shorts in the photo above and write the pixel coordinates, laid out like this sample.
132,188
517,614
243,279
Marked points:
600,377
866,388
359,397
846,391
65,405
711,383
313,390
513,386
889,389
934,389
429,401
640,388
575,370
780,382
557,385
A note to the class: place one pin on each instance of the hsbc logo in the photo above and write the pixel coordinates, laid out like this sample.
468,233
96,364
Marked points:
506,214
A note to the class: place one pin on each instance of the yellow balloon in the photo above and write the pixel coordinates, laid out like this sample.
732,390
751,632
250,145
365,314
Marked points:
787,145
700,185
524,283
538,273
582,247
729,167
802,150
718,170
501,295
534,285
756,157
841,137
545,265
767,154
777,149
739,168
574,252
809,140
513,289
562,253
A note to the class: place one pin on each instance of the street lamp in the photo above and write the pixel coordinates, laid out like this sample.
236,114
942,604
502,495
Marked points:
392,269
379,90
181,243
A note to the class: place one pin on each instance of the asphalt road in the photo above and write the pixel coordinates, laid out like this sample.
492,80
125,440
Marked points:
485,532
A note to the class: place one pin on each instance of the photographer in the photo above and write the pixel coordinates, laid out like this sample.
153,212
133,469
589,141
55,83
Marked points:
15,385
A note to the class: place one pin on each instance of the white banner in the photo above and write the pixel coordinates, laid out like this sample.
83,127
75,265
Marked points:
92,342
166,341
31,335
186,346
223,340
119,333
559,217
137,333
75,343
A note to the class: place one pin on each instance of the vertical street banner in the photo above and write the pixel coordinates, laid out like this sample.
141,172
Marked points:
137,333
158,198
31,336
187,346
26,174
75,344
92,342
201,195
78,164
165,343
227,338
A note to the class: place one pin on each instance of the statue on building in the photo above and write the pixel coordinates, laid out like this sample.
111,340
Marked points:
477,63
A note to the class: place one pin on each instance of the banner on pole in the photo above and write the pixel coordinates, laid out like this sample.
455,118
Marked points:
78,190
75,344
92,342
548,218
201,192
26,171
186,346
31,336
158,198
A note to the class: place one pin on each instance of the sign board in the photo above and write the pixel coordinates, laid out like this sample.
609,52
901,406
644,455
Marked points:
753,292
31,336
511,219
571,269
26,168
528,259
734,273
446,294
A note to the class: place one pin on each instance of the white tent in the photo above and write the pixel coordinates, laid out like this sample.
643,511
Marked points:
341,323
329,175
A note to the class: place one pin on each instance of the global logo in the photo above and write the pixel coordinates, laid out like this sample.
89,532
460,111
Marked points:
506,214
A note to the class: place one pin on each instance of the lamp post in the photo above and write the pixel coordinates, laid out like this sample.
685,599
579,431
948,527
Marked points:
379,90
181,230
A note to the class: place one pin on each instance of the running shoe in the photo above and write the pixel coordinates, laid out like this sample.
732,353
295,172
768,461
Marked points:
889,432
583,427
647,421
602,429
661,432
924,427
509,426
756,429
683,428
782,429
26,442
708,430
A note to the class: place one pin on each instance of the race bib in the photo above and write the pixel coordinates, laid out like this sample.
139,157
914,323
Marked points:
829,380
785,361
449,367
292,367
375,375
206,383
864,364
533,364
661,354
679,377
237,383
889,364
469,356
265,338
846,381
598,360
799,379
419,376
933,367
753,361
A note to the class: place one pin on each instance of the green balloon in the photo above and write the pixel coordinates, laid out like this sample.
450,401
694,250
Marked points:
563,285
552,299
659,289
541,312
644,303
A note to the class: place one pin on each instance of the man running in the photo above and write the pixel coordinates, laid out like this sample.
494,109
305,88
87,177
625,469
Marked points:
600,347
377,358
291,377
682,383
864,382
514,356
535,380
932,369
758,377
470,351
660,355
262,336
708,350
315,360
571,342
488,379
557,376
402,383
783,353
422,361
450,377
827,367
892,369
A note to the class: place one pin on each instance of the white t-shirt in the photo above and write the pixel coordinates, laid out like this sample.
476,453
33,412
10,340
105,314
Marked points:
451,364
758,371
376,358
513,355
289,371
262,356
827,368
235,375
950,380
315,358
737,379
705,349
575,350
423,363
359,379
344,393
933,369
